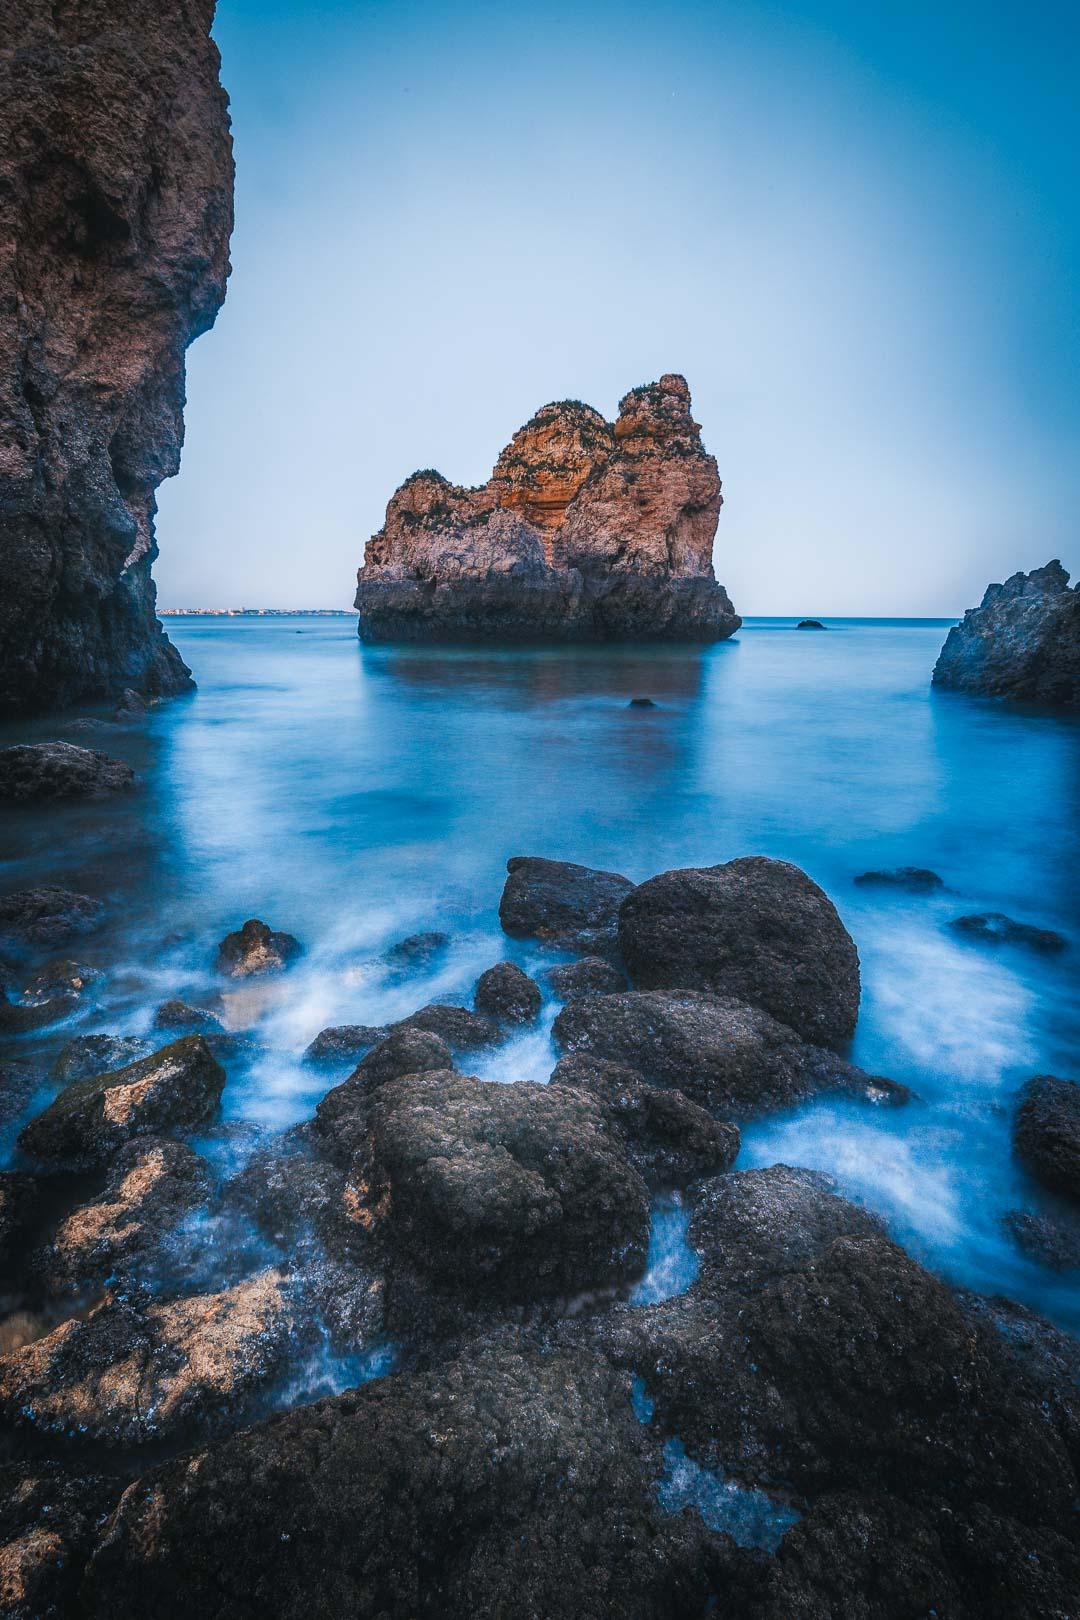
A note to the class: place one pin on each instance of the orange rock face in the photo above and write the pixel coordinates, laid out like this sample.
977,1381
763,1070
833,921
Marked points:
586,528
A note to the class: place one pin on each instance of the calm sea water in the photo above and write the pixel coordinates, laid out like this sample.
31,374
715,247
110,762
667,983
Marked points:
353,795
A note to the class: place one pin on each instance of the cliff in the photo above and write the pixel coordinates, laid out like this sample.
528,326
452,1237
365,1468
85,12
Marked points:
586,529
1023,641
115,214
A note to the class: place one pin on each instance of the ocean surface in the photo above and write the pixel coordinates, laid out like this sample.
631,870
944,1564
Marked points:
354,795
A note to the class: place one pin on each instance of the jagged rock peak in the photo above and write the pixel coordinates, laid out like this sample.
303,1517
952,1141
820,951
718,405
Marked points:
1022,641
116,196
586,528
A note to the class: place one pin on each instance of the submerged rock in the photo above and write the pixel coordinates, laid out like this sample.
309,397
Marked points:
343,1043
513,1191
177,1014
60,770
19,1079
725,1055
116,174
52,993
129,1373
1050,1240
508,995
176,1088
418,951
585,530
915,879
591,976
560,902
87,1055
994,928
506,1481
756,929
1023,641
810,624
1046,1133
47,916
255,949
641,703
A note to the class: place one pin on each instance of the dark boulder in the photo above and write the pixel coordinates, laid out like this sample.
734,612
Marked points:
1046,1133
1050,1240
560,902
132,1372
87,1055
19,1080
461,1029
589,976
756,929
176,1088
33,772
418,951
994,928
53,992
507,1481
180,1015
50,1520
343,1043
725,1055
641,703
341,1118
508,995
20,1208
915,879
512,1191
293,1196
1022,642
47,916
255,949
810,624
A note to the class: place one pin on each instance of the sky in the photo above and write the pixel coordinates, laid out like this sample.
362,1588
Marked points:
854,228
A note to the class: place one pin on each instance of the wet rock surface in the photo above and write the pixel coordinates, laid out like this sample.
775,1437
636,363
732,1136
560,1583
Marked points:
591,976
341,1119
756,929
177,1087
342,1044
1046,1133
560,902
1023,641
725,1055
47,916
915,879
37,772
508,995
461,1029
85,1056
994,928
177,1014
50,994
116,178
255,949
1050,1240
585,530
50,1520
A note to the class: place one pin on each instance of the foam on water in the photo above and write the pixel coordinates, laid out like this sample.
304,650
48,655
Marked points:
750,1517
671,1264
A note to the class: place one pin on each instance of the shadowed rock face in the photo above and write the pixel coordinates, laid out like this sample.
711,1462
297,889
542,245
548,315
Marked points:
116,194
1023,641
586,529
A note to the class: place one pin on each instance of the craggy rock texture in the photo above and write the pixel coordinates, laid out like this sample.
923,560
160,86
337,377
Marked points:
60,770
254,949
129,1373
341,1119
181,1015
461,1029
342,1044
88,1055
569,906
49,1522
591,976
52,993
754,928
508,1482
1046,1134
178,1087
508,995
115,213
585,530
513,1190
1023,641
723,1054
47,916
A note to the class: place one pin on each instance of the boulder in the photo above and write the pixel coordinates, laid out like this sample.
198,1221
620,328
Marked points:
418,952
1050,1240
293,1197
756,929
177,1088
130,1373
177,1014
47,916
85,1056
50,1520
559,902
729,1057
53,992
36,772
1023,641
915,879
810,624
506,1481
589,976
994,928
509,1191
462,1030
343,1044
20,1210
341,1118
255,949
1046,1133
508,995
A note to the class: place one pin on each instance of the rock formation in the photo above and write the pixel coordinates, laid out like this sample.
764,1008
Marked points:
1023,641
586,529
115,214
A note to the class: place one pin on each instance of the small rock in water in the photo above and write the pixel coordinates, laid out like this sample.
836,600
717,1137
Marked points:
1050,1240
1046,1133
88,1055
641,703
560,902
131,704
810,624
343,1043
916,879
255,949
179,1015
508,995
418,950
994,928
52,993
47,916
59,770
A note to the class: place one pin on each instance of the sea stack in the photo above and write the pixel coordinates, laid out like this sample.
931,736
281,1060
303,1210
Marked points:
116,206
1023,641
586,530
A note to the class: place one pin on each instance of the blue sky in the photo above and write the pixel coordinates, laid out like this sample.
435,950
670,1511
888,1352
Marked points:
854,228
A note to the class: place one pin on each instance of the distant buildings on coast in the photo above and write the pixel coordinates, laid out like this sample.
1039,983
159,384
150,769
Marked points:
255,613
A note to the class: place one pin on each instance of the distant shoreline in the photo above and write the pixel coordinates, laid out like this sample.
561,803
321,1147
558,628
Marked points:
256,613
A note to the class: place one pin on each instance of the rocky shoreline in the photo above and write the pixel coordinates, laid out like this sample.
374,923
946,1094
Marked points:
808,1419
1021,642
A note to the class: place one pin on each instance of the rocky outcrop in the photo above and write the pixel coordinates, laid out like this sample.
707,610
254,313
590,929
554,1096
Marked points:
1022,641
569,906
586,529
115,214
1046,1133
32,772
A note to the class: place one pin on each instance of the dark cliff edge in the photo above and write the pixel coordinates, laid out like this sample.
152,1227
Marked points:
116,179
1022,641
586,530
